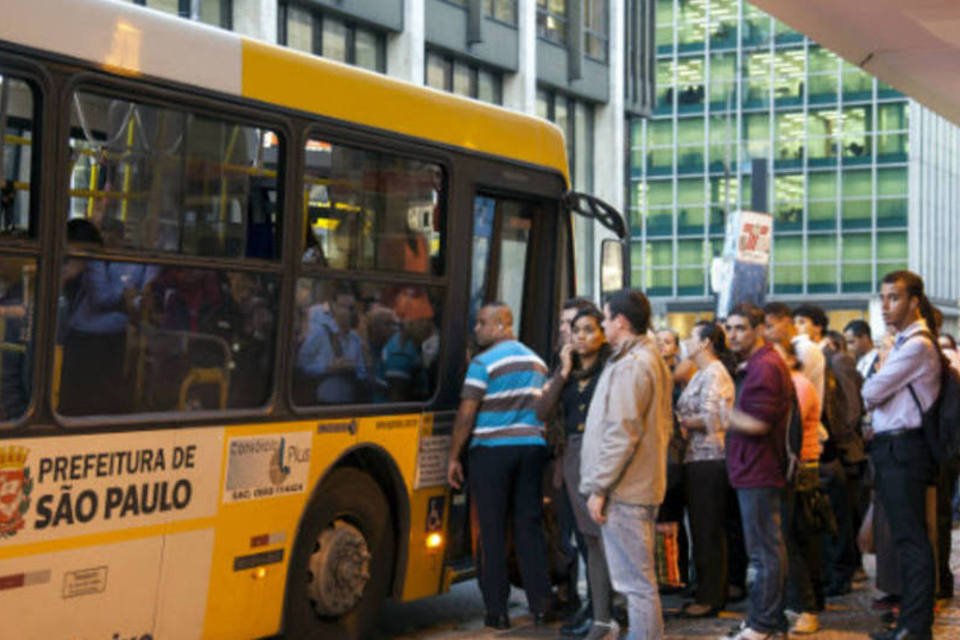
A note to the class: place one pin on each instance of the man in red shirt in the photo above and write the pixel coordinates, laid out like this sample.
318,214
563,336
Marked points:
755,464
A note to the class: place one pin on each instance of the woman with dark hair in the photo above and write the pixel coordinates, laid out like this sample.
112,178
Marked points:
703,411
569,392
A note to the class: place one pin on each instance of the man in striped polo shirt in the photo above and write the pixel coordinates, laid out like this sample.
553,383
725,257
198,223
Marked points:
507,453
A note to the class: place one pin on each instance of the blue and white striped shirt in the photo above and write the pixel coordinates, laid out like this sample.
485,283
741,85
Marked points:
507,379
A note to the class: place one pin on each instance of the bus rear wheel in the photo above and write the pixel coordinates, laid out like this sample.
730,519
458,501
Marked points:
342,562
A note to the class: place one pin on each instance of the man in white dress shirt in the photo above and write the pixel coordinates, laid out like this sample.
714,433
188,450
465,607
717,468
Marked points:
900,453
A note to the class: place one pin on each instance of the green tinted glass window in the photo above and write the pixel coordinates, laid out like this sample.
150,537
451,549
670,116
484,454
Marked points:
690,131
787,277
690,281
690,192
857,184
857,246
821,214
660,254
659,282
659,193
856,82
822,248
892,182
892,117
660,133
892,245
690,252
891,212
787,248
758,134
822,278
857,277
822,185
856,213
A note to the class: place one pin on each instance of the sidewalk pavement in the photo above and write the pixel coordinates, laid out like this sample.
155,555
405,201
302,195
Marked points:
847,617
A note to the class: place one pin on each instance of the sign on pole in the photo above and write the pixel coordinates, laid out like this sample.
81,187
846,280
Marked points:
740,274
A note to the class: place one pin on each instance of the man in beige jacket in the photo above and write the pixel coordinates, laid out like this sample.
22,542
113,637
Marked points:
623,463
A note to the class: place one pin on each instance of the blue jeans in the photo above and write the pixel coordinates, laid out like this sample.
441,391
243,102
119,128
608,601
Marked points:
763,536
629,538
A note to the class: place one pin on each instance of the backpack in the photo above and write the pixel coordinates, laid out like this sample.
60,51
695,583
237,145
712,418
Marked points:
843,406
941,421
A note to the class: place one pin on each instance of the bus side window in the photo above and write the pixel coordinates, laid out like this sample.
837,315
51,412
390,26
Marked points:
363,342
182,336
18,274
372,210
129,161
185,339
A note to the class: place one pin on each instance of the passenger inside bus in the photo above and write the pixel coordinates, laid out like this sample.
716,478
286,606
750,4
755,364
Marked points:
379,326
332,352
16,348
101,301
211,341
410,355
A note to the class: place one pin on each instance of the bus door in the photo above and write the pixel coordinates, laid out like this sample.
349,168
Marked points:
512,261
508,243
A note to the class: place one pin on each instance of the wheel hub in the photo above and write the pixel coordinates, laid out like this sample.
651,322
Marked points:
339,569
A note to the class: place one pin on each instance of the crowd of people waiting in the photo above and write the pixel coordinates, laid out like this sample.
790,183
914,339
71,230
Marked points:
785,449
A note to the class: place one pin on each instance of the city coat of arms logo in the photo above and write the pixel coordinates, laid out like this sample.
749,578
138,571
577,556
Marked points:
15,488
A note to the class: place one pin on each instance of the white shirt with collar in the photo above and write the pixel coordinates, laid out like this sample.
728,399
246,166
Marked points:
913,361
866,361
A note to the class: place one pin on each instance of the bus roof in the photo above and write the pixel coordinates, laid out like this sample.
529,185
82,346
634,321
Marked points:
129,40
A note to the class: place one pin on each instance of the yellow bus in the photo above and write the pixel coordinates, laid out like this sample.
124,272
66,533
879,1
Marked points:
236,289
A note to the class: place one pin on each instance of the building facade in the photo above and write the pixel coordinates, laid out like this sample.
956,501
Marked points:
586,65
859,179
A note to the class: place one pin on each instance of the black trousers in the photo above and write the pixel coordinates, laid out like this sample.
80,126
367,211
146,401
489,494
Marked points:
946,487
904,468
671,510
839,552
805,592
505,482
707,487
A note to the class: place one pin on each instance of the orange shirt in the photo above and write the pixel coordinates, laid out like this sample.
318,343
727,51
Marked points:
809,403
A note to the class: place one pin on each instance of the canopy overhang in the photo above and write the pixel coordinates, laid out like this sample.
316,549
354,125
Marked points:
912,45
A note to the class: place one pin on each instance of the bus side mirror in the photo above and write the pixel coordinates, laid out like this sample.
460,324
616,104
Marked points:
611,267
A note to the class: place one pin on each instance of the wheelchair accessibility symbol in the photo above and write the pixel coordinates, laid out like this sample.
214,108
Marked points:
435,508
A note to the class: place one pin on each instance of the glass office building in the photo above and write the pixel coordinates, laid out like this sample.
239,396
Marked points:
736,87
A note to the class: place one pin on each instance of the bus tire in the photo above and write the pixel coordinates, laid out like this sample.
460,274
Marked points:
342,562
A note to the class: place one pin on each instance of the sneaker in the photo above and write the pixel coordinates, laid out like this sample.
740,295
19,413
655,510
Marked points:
749,634
806,623
603,631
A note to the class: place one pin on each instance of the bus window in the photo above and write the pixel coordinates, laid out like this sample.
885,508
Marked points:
17,290
18,275
359,342
174,181
501,237
372,210
16,127
147,338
